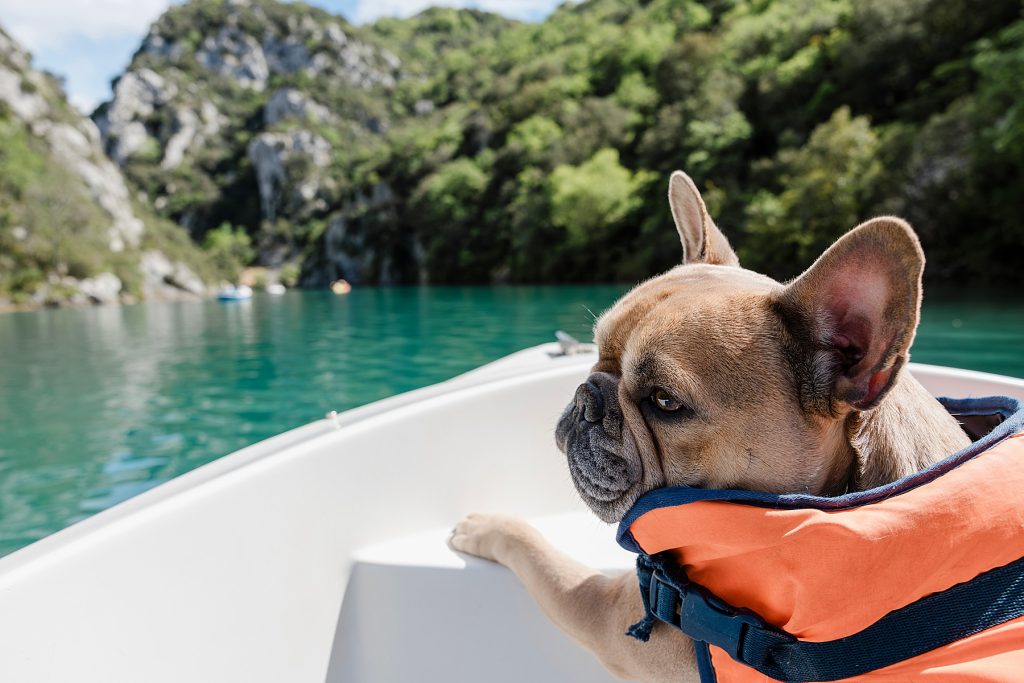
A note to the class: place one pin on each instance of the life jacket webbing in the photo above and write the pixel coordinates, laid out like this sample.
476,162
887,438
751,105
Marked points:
988,600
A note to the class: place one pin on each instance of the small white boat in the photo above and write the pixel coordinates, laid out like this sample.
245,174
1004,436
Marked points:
275,288
320,556
234,293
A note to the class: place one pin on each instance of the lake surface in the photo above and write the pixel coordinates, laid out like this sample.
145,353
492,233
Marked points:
100,404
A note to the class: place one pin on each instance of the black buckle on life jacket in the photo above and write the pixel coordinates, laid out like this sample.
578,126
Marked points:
702,616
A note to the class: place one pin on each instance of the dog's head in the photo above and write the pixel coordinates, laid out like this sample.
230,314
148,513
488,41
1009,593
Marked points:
711,375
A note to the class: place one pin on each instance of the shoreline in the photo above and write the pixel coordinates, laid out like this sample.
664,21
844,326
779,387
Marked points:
7,306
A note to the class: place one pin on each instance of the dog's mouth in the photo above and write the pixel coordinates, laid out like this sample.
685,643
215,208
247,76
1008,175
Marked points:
599,475
592,434
602,476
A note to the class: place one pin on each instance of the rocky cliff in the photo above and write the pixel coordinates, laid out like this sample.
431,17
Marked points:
272,117
253,113
70,229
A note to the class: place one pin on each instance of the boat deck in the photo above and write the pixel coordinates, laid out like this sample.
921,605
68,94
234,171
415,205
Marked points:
447,610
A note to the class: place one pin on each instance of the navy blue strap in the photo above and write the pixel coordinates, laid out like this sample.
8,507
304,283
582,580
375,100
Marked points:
645,573
988,600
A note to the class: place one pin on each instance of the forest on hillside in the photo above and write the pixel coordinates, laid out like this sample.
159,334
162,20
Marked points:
549,154
457,146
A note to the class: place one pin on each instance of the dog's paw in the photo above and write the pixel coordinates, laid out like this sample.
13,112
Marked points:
489,536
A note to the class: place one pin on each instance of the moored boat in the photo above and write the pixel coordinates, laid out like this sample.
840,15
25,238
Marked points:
320,555
234,293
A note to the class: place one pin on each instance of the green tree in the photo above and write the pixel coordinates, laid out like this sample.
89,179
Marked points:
1000,64
229,248
992,237
448,212
452,193
828,185
534,139
589,199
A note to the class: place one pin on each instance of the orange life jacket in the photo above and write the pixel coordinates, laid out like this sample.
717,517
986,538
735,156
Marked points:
921,579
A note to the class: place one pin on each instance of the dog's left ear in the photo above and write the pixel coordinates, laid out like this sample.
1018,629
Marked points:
702,241
854,314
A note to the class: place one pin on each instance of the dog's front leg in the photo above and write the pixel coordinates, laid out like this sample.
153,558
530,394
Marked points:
593,608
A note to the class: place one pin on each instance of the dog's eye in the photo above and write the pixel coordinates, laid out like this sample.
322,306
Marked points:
665,401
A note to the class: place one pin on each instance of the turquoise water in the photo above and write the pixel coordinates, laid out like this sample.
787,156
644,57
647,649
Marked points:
100,404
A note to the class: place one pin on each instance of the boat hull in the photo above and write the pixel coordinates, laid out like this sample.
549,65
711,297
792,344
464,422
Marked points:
291,560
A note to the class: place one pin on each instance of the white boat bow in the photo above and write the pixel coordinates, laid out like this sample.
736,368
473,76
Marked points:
319,555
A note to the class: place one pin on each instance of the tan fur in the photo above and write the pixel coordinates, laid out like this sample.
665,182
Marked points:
788,388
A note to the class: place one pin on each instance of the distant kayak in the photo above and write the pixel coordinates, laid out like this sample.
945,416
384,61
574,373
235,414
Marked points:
235,293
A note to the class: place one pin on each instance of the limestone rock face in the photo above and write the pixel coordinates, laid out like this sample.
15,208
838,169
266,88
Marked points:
164,279
137,95
101,289
253,101
347,248
236,55
146,118
26,102
161,111
78,149
287,168
72,140
353,247
289,103
189,130
285,55
75,223
281,119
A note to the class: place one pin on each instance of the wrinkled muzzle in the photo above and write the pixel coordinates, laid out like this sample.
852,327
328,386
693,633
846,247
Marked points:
591,433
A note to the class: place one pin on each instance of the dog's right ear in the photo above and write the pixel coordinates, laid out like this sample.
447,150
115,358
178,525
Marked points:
853,314
702,241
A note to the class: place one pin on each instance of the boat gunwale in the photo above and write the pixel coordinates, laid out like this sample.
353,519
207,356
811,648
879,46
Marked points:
499,372
516,368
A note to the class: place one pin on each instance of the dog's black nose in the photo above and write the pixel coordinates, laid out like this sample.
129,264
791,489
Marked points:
590,402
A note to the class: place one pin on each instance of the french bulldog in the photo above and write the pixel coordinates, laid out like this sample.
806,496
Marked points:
710,375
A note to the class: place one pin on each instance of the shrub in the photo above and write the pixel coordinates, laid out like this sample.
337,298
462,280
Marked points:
229,248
